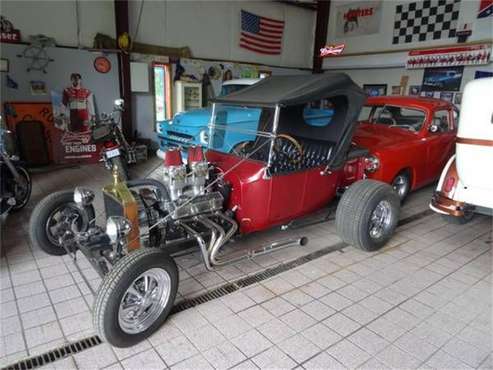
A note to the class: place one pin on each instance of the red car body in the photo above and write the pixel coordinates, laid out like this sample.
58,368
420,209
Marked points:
422,153
262,202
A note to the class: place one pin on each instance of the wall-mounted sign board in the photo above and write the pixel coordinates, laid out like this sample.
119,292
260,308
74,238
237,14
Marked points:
139,77
450,56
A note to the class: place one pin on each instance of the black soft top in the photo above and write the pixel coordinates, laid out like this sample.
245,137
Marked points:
292,90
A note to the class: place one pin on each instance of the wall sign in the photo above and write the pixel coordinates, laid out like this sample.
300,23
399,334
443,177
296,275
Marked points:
442,79
425,20
8,33
453,56
330,50
375,90
102,64
358,18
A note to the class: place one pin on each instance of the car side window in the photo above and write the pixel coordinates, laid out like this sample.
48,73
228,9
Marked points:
441,119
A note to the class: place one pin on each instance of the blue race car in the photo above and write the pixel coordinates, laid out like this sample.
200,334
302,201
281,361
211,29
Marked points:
191,127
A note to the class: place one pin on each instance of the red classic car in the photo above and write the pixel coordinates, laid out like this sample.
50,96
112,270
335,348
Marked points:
410,139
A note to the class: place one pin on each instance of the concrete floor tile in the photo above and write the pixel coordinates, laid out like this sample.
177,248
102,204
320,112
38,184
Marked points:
274,358
323,361
144,360
176,349
276,331
321,335
368,341
224,356
278,306
251,343
299,348
348,354
341,324
318,310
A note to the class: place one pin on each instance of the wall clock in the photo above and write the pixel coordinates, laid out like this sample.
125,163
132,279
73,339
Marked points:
102,64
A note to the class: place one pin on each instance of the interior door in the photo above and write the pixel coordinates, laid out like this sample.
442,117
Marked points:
440,144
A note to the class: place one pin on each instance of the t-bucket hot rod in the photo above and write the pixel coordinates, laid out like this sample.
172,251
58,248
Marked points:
288,169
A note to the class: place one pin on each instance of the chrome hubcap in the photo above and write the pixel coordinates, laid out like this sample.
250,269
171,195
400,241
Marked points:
144,301
63,219
381,219
400,185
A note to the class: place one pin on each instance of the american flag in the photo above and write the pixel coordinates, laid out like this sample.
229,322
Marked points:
260,34
485,8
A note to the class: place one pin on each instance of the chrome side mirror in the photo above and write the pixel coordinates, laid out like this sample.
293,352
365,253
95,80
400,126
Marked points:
433,128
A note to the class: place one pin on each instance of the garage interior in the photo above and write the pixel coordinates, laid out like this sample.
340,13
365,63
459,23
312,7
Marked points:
423,301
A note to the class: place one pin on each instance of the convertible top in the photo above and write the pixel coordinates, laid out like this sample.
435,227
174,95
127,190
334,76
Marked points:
292,90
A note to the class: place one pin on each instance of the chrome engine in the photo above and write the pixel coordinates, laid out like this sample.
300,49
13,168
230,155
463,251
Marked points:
187,185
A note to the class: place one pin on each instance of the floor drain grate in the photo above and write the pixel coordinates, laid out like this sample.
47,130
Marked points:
56,354
252,279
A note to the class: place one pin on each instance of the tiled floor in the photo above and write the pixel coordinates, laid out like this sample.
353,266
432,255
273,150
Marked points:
422,302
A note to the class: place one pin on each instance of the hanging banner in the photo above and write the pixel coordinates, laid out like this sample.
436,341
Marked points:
452,56
358,18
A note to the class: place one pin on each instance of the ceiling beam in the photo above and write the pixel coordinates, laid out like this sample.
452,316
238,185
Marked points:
309,5
122,26
323,13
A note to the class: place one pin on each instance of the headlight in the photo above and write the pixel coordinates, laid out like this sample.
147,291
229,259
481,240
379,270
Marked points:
83,197
372,163
204,137
117,227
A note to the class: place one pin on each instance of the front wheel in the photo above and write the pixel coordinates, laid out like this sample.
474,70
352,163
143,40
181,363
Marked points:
53,217
135,297
367,214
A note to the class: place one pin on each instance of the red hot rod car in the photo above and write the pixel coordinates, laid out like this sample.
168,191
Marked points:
285,170
410,139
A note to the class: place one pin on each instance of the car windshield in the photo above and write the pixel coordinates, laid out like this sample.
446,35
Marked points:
394,116
228,89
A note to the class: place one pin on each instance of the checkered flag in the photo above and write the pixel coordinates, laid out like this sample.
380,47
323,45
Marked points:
425,20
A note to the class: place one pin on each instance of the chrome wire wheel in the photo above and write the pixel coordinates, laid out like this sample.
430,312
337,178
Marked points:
381,219
401,185
66,218
144,300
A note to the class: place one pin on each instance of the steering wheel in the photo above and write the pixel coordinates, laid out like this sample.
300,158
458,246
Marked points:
295,156
243,148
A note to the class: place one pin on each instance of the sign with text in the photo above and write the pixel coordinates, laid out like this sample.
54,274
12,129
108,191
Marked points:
358,18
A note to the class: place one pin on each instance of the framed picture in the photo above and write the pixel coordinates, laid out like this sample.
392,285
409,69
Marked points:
396,90
479,74
414,90
458,98
4,65
447,95
375,90
442,79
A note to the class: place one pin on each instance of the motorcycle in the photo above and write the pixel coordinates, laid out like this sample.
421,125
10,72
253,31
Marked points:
117,151
15,181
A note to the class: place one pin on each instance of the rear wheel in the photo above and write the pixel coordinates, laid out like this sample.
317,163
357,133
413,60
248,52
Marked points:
402,184
135,297
367,214
53,217
22,191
